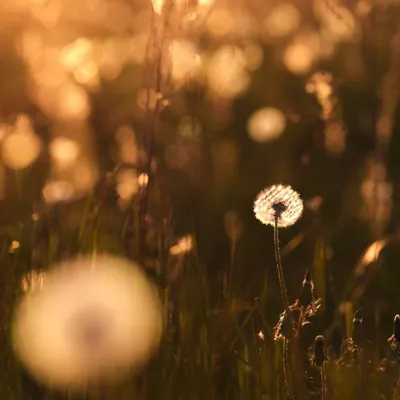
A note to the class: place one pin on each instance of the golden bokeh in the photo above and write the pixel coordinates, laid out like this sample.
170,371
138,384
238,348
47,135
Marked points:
21,146
266,124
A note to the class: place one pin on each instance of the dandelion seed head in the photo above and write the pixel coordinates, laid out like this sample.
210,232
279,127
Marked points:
91,320
278,196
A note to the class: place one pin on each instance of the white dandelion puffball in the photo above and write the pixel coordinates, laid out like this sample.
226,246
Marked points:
282,198
94,320
266,124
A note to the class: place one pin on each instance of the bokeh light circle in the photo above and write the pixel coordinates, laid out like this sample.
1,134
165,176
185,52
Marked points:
266,124
20,149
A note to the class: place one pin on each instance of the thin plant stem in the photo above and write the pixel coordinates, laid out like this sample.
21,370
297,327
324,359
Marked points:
282,285
286,369
323,382
279,267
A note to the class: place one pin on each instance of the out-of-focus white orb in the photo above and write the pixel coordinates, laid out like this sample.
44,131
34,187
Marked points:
266,124
94,320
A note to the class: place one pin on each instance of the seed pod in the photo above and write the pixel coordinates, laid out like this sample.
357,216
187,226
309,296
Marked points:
358,327
396,327
307,290
319,351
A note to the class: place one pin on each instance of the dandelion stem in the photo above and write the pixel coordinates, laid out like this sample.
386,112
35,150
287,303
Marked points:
282,285
279,267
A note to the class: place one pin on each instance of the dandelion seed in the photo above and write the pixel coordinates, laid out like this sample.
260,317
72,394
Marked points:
281,201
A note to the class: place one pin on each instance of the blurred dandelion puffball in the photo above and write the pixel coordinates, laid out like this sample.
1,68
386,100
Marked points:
94,320
288,200
266,124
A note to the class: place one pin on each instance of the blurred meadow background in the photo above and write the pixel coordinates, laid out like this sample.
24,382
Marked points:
145,129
